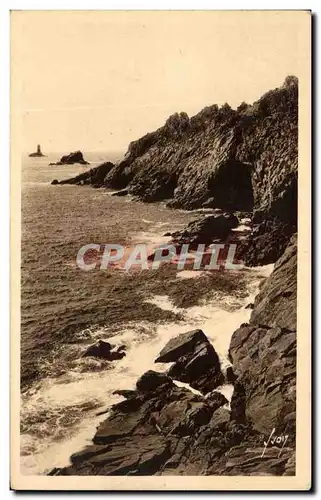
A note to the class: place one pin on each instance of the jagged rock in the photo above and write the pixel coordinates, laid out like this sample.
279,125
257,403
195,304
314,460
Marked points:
94,176
220,157
104,350
181,345
276,304
201,369
196,361
74,157
206,229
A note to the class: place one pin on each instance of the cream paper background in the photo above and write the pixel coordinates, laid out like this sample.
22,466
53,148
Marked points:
278,20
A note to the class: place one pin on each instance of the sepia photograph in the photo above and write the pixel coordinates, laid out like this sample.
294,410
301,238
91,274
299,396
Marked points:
160,250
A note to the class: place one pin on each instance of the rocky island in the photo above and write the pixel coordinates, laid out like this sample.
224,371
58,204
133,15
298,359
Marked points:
74,157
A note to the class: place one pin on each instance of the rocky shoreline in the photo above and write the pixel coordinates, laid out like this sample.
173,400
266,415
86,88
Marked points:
229,161
164,429
235,160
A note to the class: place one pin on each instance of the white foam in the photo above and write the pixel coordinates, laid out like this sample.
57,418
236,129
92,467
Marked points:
188,274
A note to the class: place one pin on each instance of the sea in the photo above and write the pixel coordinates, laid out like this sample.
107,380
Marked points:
64,309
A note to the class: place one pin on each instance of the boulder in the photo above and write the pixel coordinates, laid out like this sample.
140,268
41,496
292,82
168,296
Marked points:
54,182
152,380
195,361
104,350
200,369
181,345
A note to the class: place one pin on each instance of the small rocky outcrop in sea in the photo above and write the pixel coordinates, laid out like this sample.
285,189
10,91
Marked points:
105,350
37,153
74,157
94,177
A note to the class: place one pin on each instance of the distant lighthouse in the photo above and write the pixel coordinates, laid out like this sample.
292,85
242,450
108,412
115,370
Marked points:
38,153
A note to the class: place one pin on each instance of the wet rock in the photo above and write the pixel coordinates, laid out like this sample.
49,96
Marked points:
195,361
206,229
181,345
263,353
104,350
201,369
276,304
151,380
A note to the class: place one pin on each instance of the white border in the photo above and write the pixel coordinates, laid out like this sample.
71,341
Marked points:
4,138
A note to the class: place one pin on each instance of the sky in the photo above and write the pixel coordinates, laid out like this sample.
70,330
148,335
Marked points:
98,80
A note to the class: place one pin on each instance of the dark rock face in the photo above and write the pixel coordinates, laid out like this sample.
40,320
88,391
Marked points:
181,345
235,160
94,177
152,380
196,361
263,353
74,157
105,350
266,243
276,304
206,229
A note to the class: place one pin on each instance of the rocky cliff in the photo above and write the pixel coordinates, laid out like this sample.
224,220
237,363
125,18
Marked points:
231,159
244,159
163,429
